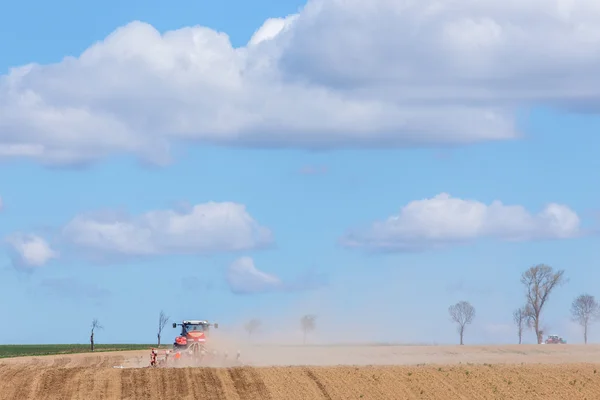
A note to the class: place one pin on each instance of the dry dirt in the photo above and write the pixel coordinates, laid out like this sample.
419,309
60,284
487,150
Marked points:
288,373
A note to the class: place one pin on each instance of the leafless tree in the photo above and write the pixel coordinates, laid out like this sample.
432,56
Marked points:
252,326
539,280
307,323
584,310
462,313
162,321
95,326
520,319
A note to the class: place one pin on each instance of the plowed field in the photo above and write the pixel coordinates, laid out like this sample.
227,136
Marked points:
512,372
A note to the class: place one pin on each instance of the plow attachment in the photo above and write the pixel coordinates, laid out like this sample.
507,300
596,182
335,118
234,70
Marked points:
194,356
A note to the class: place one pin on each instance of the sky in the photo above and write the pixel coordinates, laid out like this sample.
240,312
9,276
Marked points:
369,162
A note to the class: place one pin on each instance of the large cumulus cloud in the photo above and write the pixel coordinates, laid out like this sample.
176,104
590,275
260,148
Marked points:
352,73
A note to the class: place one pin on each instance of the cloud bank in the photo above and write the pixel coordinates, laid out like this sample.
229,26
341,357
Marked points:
383,73
445,220
204,229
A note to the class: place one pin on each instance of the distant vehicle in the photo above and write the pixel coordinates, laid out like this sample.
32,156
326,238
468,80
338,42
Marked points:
555,339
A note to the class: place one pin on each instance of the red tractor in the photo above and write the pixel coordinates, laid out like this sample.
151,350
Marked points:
555,339
192,339
190,345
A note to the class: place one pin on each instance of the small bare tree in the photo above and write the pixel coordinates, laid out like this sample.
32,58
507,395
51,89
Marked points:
584,310
462,313
308,324
252,326
95,325
162,321
539,280
520,319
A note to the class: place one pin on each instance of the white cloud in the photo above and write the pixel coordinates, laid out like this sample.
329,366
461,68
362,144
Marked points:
244,278
444,220
385,73
457,50
205,228
30,251
271,28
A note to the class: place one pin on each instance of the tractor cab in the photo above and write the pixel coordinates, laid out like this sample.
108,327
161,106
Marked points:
185,328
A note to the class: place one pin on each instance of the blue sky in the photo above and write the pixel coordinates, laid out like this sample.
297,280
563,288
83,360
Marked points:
176,173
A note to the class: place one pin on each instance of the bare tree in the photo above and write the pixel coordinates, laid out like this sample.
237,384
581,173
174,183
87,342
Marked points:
462,313
252,326
95,325
520,319
539,280
584,310
307,323
162,321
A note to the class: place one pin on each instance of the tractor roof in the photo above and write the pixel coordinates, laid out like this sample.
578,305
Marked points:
195,322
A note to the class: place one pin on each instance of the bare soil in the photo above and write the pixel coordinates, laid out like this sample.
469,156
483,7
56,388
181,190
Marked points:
360,372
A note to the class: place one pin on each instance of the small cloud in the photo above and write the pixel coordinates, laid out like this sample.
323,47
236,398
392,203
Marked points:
73,289
271,28
29,251
244,278
313,170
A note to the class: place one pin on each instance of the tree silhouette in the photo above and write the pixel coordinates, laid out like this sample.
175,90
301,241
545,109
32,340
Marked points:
162,321
462,313
584,310
539,280
95,325
252,326
520,319
308,324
